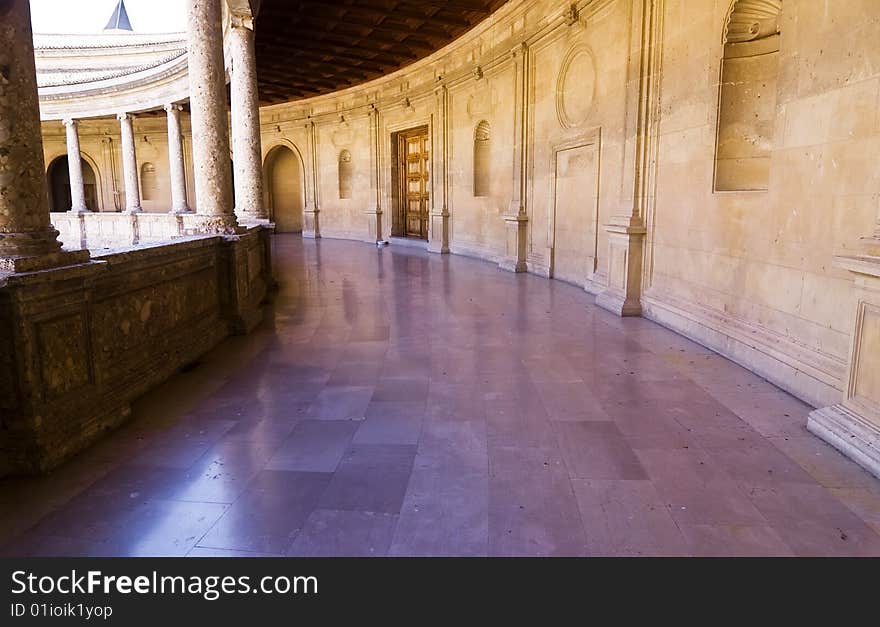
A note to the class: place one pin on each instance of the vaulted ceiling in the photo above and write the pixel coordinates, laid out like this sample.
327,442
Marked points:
310,47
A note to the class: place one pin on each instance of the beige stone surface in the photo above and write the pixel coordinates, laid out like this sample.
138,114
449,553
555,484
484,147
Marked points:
604,123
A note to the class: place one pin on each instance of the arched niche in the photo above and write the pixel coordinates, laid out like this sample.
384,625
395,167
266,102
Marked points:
747,96
285,188
149,182
345,174
482,159
58,182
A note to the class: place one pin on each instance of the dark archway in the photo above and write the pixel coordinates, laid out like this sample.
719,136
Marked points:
285,189
58,177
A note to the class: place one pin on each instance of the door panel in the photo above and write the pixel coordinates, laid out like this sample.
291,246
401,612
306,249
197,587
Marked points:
575,216
414,153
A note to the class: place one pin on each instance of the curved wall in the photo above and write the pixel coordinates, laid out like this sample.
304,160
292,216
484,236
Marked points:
605,114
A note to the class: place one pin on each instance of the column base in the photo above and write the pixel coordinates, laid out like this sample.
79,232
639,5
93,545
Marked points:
513,266
849,433
625,243
374,224
253,216
311,224
133,211
80,210
515,255
618,304
439,233
181,211
199,224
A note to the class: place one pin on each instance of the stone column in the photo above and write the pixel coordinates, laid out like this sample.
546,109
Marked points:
246,149
207,88
74,168
176,167
129,164
27,239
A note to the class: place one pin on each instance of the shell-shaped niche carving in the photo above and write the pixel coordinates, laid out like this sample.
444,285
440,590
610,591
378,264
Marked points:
149,182
345,174
752,19
576,87
482,159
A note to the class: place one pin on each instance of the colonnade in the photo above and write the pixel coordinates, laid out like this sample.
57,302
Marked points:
213,179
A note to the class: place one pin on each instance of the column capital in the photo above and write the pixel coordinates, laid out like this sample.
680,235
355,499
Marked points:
124,116
172,106
241,20
68,122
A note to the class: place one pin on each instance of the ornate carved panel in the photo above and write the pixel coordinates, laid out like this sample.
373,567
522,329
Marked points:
63,345
575,87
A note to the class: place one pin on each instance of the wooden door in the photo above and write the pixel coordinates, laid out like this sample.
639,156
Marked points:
414,152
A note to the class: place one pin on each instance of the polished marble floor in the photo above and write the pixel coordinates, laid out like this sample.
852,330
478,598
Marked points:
400,403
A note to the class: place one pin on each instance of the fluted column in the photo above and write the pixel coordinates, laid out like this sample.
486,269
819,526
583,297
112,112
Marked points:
129,164
208,118
74,168
246,150
26,234
175,160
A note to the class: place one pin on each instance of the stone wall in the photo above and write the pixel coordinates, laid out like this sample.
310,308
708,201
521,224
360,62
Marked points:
748,165
79,343
606,112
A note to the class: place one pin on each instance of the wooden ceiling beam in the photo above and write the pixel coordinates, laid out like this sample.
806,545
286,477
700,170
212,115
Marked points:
310,47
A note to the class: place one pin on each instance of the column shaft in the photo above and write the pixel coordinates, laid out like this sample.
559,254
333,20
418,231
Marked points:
74,168
129,164
175,160
25,229
246,149
208,118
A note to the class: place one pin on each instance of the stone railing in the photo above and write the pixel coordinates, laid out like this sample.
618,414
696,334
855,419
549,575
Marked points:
97,231
79,343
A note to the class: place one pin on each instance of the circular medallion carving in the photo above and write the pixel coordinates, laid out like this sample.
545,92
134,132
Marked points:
576,87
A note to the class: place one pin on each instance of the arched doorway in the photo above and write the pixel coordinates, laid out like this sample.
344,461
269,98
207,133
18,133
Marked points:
284,188
58,177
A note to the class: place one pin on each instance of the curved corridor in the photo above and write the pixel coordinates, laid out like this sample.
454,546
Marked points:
399,403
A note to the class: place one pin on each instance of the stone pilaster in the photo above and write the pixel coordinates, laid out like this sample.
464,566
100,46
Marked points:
627,230
853,426
311,221
27,239
516,218
246,148
374,211
74,168
438,241
176,167
210,136
129,164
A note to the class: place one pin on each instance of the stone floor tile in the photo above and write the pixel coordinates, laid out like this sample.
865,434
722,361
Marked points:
339,533
626,518
314,446
269,514
371,478
396,402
